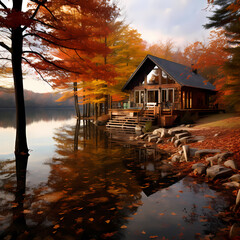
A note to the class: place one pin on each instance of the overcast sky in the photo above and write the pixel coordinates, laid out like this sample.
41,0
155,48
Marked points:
179,20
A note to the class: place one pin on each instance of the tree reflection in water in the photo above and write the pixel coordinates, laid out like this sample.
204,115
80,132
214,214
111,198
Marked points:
89,194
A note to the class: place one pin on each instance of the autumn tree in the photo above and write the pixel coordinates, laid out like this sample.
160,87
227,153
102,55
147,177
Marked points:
226,16
28,35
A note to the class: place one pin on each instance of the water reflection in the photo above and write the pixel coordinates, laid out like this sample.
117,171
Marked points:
98,189
8,116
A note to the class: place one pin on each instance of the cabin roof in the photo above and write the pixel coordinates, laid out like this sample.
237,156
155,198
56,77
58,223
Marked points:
182,74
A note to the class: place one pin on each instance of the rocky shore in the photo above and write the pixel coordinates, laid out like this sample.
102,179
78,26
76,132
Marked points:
215,166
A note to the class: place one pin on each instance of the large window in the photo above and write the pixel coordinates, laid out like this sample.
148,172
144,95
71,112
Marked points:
153,96
168,95
139,96
153,76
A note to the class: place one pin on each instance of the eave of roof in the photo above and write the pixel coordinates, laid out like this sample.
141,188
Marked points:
180,73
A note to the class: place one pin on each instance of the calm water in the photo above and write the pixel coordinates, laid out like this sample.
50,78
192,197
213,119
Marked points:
81,184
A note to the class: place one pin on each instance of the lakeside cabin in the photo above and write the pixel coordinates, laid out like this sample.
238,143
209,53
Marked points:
162,91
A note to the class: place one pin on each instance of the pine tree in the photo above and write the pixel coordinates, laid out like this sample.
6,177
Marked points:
227,16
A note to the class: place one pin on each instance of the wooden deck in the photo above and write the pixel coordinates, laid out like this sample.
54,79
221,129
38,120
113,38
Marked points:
130,118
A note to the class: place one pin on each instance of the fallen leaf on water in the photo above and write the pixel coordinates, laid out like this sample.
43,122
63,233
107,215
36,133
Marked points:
56,226
173,213
79,220
152,237
143,232
209,207
107,221
80,230
161,214
40,212
79,209
203,220
91,219
178,196
123,226
26,211
135,213
180,191
208,196
105,235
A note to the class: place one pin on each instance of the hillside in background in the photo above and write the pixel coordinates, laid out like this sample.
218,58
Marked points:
32,99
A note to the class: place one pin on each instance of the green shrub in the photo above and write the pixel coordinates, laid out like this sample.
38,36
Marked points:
148,126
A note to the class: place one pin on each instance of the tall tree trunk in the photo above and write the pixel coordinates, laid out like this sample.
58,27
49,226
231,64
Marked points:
17,46
76,100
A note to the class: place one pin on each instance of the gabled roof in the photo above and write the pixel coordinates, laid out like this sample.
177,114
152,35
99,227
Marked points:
183,75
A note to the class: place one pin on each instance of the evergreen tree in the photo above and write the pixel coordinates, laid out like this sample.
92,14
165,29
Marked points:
227,16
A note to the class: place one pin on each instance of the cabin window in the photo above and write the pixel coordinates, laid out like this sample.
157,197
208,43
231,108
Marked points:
168,95
153,96
153,76
190,100
139,96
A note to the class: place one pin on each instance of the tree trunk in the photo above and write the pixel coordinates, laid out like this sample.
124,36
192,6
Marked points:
76,100
17,45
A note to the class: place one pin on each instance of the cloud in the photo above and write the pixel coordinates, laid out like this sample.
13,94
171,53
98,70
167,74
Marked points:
175,19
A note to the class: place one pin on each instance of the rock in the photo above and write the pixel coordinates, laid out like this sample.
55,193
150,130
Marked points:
200,170
238,198
158,131
199,138
159,141
234,232
224,156
173,139
189,125
164,133
152,138
181,135
165,167
231,164
184,140
192,151
235,178
196,165
218,171
211,160
215,135
186,152
231,184
174,131
143,136
203,152
176,158
138,128
177,143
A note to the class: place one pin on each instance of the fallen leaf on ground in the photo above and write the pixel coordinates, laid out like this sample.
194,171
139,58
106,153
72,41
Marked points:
123,226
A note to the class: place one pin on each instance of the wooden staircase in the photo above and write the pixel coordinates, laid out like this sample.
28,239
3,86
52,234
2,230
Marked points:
130,122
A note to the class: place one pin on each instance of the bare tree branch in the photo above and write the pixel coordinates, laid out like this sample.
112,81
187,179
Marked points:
42,4
38,72
52,42
50,62
2,44
3,5
2,58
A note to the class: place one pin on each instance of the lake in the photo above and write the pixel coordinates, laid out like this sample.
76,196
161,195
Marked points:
82,183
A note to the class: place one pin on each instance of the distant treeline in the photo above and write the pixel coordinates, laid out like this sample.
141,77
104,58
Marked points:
32,99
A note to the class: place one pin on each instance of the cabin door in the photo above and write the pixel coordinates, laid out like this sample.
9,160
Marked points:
153,96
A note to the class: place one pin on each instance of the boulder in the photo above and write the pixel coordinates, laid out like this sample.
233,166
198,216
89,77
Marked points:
158,131
192,151
186,152
231,164
143,136
152,138
160,140
173,139
200,170
231,184
201,153
198,138
234,232
211,160
223,156
177,143
181,135
235,178
218,171
174,131
176,158
138,128
196,165
164,133
184,140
